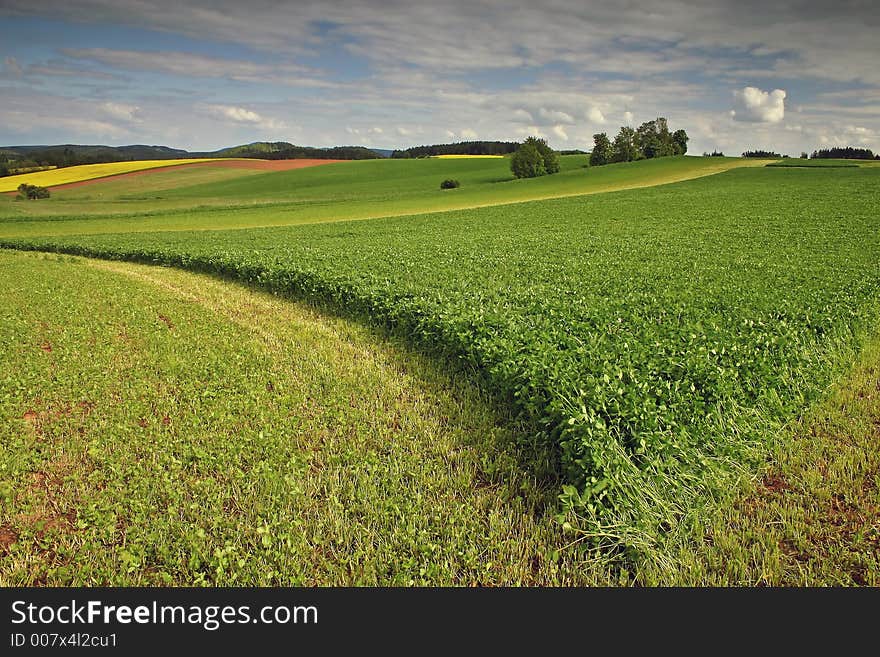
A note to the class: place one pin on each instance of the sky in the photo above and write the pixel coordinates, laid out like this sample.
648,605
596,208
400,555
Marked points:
788,76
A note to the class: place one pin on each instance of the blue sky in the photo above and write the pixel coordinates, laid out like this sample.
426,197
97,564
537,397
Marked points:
788,76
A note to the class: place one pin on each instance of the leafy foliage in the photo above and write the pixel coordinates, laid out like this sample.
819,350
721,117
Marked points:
32,192
603,153
534,158
527,162
450,183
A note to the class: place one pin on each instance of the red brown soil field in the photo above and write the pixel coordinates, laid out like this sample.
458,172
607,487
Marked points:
262,165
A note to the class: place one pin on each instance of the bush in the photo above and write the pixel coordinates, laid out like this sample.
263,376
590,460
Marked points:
450,183
527,162
32,192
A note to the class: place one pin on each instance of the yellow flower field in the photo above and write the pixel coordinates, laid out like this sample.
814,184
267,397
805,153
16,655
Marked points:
87,172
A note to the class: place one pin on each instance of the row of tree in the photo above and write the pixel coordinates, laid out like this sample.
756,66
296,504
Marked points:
459,148
848,153
651,139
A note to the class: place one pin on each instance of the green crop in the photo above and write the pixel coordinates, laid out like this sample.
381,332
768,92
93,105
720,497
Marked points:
652,339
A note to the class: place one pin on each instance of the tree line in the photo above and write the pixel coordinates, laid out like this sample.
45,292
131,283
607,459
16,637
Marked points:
847,153
459,148
650,140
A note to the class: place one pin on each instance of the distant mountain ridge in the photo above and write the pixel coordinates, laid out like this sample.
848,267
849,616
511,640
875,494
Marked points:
63,155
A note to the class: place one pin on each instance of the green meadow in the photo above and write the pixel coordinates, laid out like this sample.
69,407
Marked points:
597,377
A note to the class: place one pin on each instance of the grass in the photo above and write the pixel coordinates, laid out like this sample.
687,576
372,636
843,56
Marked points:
160,427
452,157
812,517
335,192
656,340
82,172
815,163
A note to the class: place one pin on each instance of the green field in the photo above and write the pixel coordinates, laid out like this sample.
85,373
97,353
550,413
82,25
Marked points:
822,163
331,192
639,356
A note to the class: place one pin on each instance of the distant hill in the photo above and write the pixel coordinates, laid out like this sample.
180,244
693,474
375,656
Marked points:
384,152
97,153
282,150
65,155
459,148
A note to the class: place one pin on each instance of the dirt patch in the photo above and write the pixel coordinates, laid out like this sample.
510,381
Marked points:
259,165
8,538
775,483
167,321
47,347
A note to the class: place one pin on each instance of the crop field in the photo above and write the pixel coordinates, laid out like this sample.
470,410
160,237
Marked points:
82,172
632,353
332,192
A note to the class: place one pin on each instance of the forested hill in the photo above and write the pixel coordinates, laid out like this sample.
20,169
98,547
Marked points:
15,158
459,148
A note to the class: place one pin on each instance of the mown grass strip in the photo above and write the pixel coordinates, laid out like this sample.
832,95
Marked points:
164,428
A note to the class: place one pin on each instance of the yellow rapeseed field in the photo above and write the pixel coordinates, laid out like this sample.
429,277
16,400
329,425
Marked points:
87,172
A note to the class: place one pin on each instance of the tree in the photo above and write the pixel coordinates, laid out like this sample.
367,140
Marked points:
624,148
32,192
654,140
527,162
680,142
602,151
548,156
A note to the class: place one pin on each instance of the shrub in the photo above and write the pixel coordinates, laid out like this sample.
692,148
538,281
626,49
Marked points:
450,183
32,192
527,162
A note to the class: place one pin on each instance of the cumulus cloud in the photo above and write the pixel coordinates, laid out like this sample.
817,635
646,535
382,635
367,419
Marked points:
245,116
759,106
594,114
628,118
121,111
555,116
559,131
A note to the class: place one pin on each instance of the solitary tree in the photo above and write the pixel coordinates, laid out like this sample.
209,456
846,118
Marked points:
602,151
548,156
527,162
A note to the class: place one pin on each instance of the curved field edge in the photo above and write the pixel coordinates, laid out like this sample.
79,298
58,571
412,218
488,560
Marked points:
83,172
166,428
656,340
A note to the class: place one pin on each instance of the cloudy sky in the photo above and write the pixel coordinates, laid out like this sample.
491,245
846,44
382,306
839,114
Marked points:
783,75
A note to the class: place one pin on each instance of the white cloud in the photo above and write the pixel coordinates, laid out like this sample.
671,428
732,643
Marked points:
555,116
121,111
559,131
594,114
239,114
242,115
628,118
759,106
